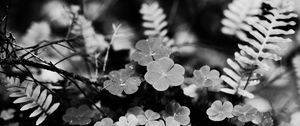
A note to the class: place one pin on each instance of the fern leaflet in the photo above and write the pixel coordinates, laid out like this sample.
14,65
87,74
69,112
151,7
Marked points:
267,33
238,12
154,22
33,97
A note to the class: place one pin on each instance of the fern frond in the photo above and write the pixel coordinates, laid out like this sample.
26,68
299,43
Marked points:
154,21
33,97
267,33
93,41
238,12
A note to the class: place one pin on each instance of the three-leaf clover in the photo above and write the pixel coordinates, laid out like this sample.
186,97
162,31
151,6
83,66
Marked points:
105,122
122,80
150,50
219,111
181,114
164,73
129,120
204,77
80,116
170,121
244,113
149,118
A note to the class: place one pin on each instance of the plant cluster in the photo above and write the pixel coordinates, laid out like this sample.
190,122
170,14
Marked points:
149,86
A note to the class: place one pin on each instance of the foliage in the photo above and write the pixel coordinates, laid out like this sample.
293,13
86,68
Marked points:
80,116
149,119
70,57
237,15
219,111
129,120
33,97
154,21
150,50
245,113
178,112
122,80
164,73
105,122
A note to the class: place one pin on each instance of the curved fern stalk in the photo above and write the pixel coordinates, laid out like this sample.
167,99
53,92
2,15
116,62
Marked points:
154,22
237,13
267,34
33,97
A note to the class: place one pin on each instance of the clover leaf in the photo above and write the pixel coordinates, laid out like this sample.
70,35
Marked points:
149,118
7,114
150,50
190,90
105,122
122,80
170,121
245,113
164,73
129,120
219,111
181,114
80,116
204,77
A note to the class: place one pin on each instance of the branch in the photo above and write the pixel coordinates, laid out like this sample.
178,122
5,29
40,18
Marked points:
50,67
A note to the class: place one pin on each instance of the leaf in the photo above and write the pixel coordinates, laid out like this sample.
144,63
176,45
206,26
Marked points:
36,92
22,100
42,97
41,119
219,111
149,50
53,108
238,12
36,112
205,77
155,21
164,73
47,102
28,106
170,121
34,98
245,113
79,116
122,80
105,122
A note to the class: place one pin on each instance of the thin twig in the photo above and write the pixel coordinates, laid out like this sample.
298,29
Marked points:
116,29
50,67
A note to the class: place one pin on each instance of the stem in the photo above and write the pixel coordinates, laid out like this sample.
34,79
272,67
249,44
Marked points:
48,66
108,48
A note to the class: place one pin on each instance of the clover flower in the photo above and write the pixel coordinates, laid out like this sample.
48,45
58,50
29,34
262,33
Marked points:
164,73
244,113
150,50
122,80
80,116
219,111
